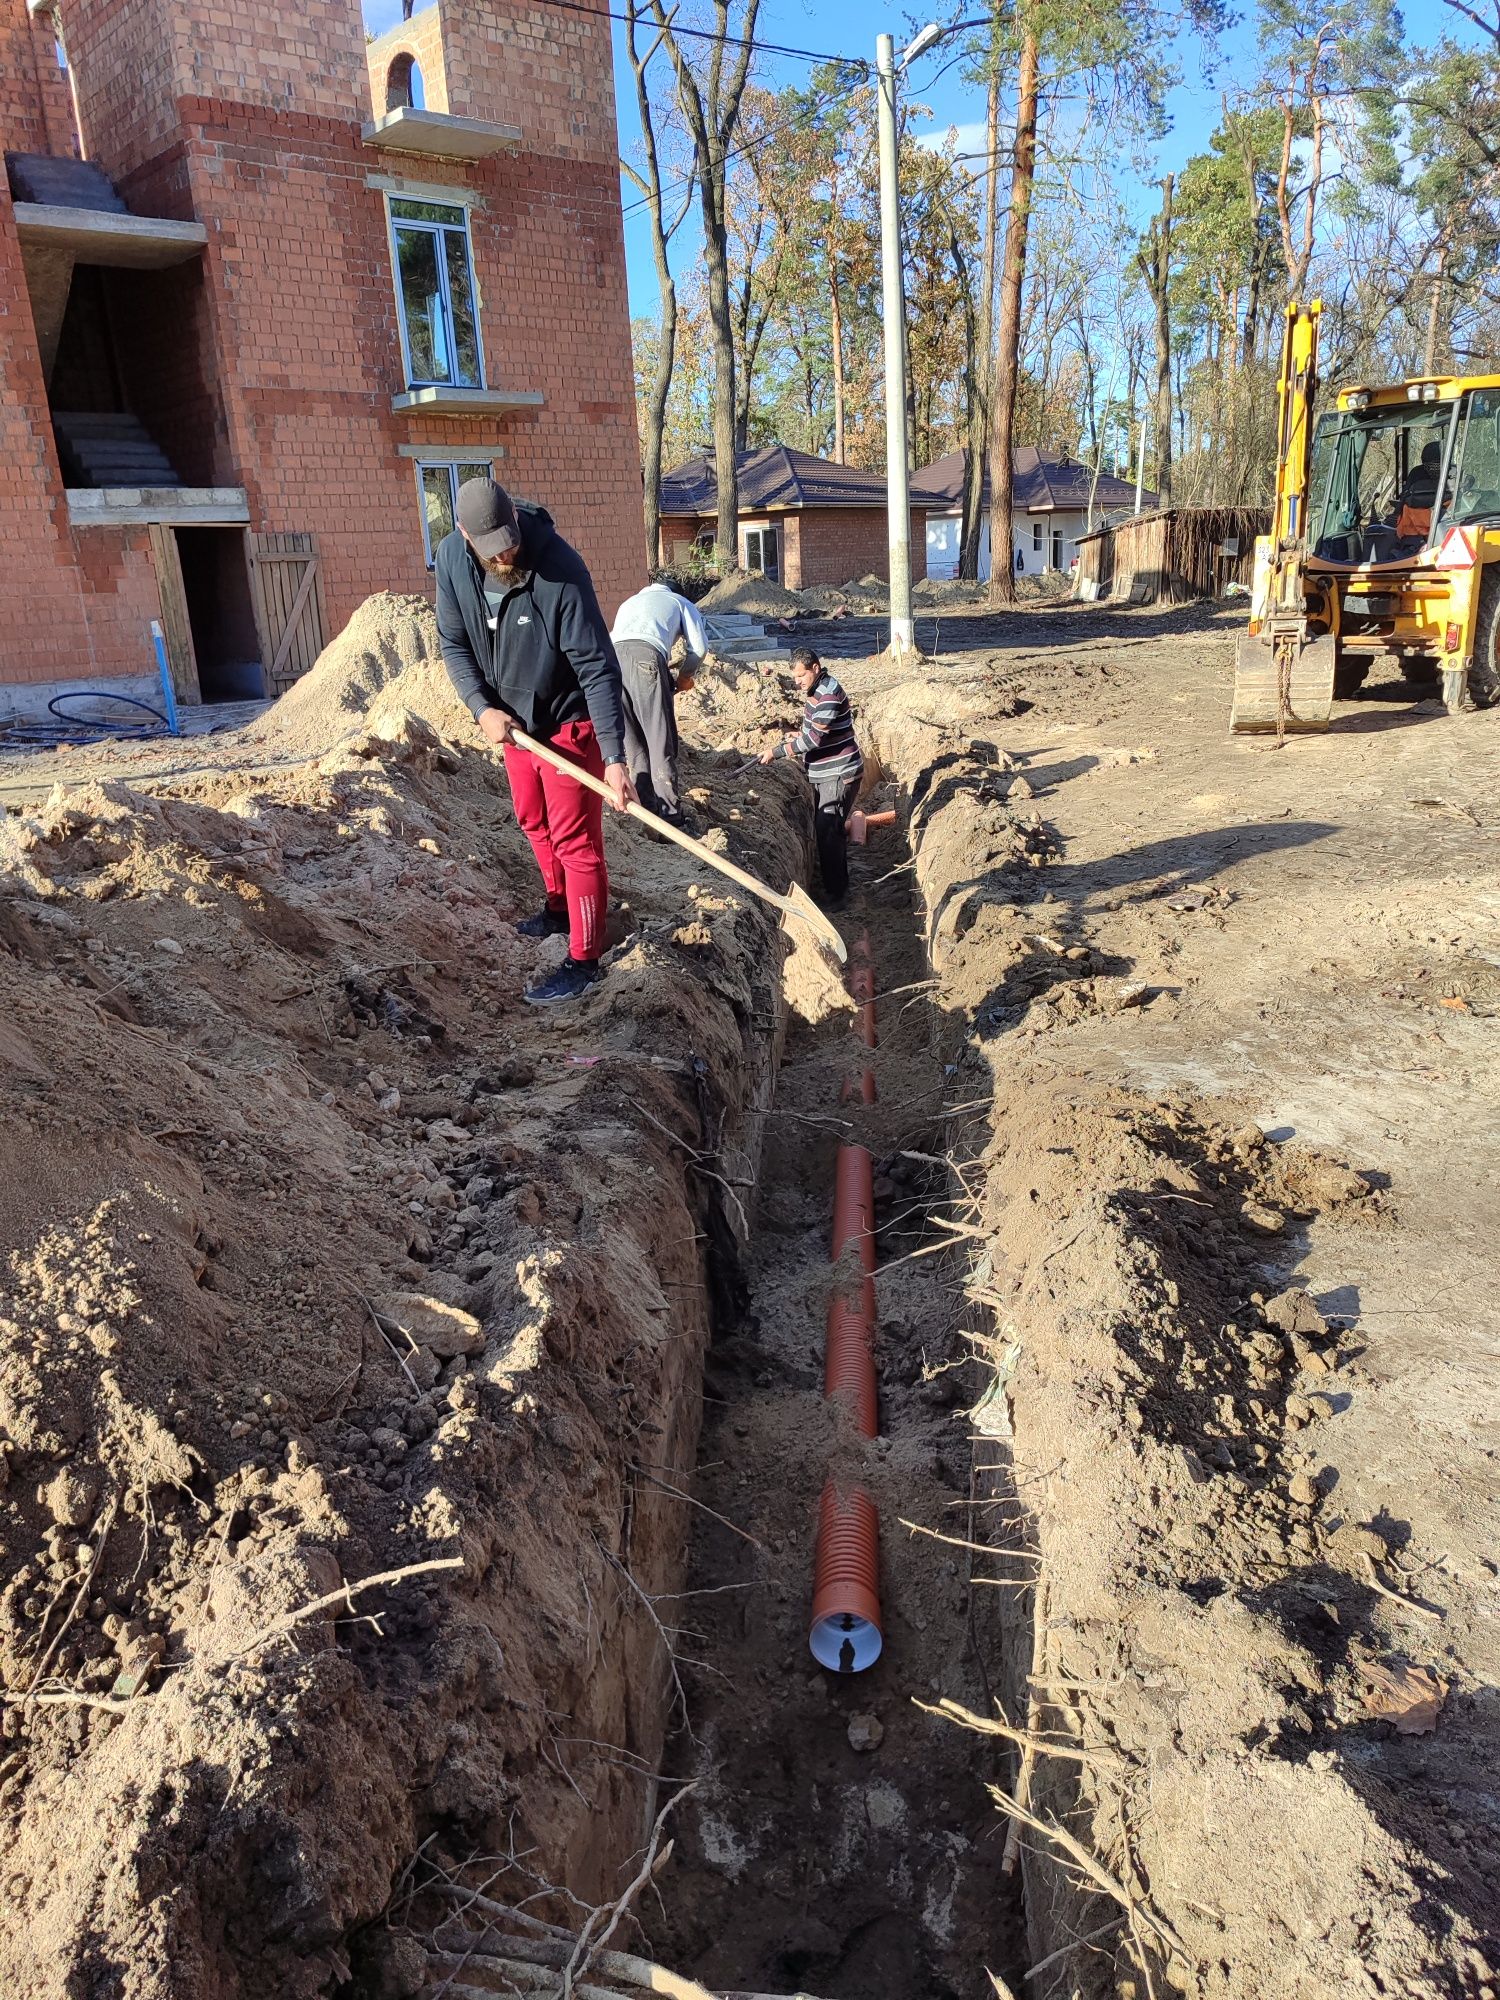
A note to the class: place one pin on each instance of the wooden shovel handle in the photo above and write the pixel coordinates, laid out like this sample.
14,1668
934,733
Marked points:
657,825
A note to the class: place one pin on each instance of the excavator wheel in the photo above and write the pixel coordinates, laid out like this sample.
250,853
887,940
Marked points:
1257,689
1350,675
1484,675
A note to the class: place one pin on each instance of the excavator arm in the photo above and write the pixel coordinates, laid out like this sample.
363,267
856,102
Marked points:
1283,675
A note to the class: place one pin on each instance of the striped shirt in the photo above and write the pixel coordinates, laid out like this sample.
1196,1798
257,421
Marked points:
826,742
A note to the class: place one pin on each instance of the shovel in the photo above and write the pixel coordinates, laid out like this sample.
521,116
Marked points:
795,903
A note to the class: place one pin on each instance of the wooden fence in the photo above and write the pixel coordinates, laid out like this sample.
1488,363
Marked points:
1170,556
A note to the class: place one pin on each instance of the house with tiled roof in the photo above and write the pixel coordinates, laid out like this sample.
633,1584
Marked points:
802,519
1051,501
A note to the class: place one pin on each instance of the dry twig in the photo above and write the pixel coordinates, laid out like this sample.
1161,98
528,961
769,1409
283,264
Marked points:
345,1594
1056,1957
85,1586
1012,1852
1096,1872
1398,1597
1039,1746
693,1501
583,1957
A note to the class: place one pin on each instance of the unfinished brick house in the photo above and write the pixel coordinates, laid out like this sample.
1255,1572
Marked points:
268,293
803,520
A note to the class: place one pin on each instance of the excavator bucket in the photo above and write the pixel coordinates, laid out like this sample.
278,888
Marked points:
1270,699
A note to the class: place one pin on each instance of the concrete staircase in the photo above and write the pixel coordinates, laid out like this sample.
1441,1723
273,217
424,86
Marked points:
736,636
109,448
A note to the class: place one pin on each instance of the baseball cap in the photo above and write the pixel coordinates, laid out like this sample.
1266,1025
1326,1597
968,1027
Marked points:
487,515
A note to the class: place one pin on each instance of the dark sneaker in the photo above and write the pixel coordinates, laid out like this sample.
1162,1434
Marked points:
546,923
570,981
677,816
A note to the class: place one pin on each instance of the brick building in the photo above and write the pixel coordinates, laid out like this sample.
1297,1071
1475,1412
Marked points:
267,293
802,520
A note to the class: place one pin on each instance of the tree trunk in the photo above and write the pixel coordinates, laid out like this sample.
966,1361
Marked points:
656,415
721,319
984,340
1008,333
1434,311
712,121
1156,268
666,351
836,340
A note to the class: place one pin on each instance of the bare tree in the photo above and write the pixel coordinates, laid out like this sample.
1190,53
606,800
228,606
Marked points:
711,105
1008,335
1304,104
662,231
982,369
1155,261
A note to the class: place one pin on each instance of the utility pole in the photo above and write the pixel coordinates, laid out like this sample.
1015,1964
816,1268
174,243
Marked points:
897,480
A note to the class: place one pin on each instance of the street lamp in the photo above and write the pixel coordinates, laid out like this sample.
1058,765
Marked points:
897,471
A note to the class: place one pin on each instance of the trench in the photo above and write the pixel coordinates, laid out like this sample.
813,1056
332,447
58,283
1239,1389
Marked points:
838,1837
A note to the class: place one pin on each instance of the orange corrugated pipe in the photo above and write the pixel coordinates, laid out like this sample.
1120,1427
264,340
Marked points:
860,824
849,1362
845,1633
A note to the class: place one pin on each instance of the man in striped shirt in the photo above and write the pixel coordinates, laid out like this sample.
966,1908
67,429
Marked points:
829,752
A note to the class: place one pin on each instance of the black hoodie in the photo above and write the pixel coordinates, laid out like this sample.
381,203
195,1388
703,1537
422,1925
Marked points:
549,660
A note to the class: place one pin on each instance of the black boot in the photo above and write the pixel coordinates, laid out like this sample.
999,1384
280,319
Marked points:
546,923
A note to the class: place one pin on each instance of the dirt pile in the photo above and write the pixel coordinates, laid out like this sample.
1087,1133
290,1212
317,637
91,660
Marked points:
738,708
861,595
752,596
264,1063
1223,1664
387,637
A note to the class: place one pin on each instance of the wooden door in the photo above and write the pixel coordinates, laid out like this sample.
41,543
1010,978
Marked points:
178,632
286,591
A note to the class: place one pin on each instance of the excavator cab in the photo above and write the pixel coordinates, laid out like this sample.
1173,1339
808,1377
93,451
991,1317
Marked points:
1385,543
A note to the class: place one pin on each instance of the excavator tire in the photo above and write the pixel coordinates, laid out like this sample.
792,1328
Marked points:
1257,695
1350,674
1484,675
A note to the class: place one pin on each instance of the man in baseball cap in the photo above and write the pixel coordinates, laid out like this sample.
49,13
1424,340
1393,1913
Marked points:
524,641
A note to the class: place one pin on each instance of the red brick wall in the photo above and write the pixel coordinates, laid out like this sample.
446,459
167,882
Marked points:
272,363
836,544
422,38
23,111
136,62
52,88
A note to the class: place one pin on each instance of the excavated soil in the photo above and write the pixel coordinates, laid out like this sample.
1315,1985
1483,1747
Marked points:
328,1259
325,1258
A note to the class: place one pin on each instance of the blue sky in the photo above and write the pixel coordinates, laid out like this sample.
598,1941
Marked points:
848,27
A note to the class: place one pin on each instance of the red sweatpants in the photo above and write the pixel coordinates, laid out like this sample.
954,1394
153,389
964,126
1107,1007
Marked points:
564,821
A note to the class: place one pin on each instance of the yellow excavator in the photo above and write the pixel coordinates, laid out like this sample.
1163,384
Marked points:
1384,544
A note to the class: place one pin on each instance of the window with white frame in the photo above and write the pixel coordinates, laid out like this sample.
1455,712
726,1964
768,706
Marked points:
435,294
762,553
438,481
1036,534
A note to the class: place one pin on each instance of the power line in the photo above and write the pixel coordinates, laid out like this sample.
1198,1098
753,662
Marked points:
682,180
648,23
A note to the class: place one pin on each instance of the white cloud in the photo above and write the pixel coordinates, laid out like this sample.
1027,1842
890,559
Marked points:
966,138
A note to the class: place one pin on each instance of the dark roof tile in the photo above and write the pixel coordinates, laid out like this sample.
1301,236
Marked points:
1040,484
773,476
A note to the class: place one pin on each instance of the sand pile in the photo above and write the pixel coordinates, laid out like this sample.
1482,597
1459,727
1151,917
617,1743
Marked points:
941,592
861,595
753,597
1047,583
388,635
